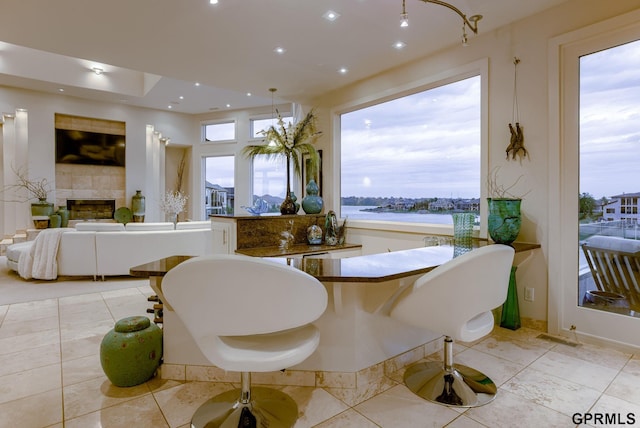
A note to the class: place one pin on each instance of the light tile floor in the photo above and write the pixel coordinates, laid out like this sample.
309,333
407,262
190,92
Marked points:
50,375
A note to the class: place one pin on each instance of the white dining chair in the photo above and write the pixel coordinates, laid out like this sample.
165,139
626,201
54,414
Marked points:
248,315
455,299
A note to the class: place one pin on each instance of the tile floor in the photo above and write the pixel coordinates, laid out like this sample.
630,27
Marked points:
50,376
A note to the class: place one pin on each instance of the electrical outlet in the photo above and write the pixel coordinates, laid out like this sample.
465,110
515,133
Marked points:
529,294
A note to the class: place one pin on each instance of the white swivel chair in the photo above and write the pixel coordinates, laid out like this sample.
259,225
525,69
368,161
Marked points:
455,299
247,315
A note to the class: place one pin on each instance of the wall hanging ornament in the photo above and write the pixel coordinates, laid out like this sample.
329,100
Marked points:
516,144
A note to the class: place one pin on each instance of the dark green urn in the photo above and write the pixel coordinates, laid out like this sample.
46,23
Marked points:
504,219
130,353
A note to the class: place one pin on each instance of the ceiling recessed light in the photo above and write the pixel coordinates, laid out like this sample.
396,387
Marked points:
228,105
197,84
60,90
248,94
331,15
181,97
280,50
399,45
169,106
213,1
343,70
97,70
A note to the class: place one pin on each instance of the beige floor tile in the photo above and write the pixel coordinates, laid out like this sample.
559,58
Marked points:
464,422
178,404
623,410
83,347
34,411
35,381
314,405
12,328
497,369
81,369
140,412
350,418
633,366
575,370
9,345
96,394
626,386
399,407
29,359
508,410
552,392
521,352
84,330
605,357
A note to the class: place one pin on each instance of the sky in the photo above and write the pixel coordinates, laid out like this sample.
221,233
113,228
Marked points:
428,144
610,121
422,145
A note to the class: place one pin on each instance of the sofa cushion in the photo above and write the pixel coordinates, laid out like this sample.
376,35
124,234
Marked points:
94,226
150,226
14,250
184,225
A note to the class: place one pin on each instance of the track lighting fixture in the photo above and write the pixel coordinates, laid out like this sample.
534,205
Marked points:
471,22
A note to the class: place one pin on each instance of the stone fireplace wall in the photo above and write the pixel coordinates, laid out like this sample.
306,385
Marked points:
90,181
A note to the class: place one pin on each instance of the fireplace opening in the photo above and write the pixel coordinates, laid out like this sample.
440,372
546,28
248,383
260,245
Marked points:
91,209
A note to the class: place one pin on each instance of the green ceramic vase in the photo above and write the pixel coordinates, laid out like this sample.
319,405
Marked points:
130,353
504,219
312,203
64,216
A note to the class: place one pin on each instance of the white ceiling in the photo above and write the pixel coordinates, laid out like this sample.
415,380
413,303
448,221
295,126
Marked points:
152,51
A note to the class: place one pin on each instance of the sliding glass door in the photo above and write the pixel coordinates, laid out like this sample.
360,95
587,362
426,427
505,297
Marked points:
599,279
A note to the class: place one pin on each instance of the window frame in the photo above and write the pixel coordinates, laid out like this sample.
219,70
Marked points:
476,68
203,131
254,118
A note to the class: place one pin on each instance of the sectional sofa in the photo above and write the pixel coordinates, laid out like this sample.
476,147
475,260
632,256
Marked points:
111,249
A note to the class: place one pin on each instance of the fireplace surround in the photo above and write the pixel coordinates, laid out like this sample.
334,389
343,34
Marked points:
91,209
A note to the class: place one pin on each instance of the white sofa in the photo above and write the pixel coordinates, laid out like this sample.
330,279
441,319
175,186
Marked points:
110,249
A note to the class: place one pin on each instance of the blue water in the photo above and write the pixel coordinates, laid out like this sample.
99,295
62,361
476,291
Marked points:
356,213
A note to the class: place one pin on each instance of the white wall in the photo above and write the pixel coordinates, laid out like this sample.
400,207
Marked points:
41,108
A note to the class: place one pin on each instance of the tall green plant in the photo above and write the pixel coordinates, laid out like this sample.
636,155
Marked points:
292,141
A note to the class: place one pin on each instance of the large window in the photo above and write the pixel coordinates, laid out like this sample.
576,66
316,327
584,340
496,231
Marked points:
269,182
219,185
415,158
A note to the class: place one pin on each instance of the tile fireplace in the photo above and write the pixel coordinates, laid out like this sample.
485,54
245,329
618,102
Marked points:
91,209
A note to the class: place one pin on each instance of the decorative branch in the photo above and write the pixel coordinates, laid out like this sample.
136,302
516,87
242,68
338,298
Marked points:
499,191
38,189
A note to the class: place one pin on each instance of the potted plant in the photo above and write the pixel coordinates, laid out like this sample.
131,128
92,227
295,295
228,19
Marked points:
36,189
291,142
504,219
173,203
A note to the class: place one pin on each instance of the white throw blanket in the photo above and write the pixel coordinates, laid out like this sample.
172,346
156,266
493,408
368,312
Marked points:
40,261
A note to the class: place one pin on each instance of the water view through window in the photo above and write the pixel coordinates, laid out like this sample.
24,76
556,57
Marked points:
609,173
415,158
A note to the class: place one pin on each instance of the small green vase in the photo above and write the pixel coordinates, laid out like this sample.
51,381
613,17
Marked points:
130,353
54,221
504,220
64,216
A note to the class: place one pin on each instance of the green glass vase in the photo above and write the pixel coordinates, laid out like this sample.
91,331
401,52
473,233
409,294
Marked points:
510,310
504,220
